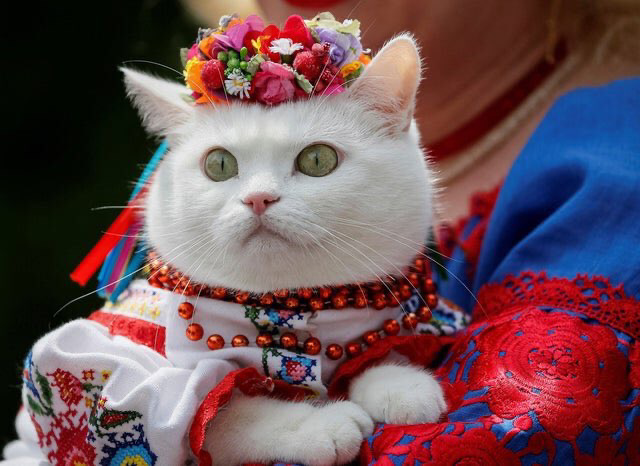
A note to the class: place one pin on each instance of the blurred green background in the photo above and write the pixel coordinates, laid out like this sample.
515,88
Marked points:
72,143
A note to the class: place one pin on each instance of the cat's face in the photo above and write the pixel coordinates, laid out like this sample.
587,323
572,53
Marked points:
272,225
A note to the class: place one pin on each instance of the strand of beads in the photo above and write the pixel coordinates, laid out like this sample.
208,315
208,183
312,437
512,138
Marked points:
377,295
312,345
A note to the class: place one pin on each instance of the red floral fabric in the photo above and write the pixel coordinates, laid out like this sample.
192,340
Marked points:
548,373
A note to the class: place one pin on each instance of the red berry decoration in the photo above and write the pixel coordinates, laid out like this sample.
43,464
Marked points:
307,64
212,74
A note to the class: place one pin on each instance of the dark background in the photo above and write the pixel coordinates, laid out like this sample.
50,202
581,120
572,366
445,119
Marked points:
72,143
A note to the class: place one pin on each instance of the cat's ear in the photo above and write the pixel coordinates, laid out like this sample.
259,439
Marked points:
160,102
390,82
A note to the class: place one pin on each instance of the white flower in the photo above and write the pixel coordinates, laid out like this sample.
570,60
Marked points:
237,84
284,46
352,27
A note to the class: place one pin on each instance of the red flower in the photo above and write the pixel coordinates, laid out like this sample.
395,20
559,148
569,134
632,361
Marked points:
70,388
273,83
475,447
556,365
294,29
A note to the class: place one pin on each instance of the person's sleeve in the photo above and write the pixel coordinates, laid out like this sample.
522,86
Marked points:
571,202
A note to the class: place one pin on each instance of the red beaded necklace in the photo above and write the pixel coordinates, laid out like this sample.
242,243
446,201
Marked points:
378,295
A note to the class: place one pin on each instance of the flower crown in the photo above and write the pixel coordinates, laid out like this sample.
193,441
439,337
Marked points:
245,60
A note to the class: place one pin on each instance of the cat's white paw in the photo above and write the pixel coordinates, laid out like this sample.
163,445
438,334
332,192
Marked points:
335,432
265,430
398,394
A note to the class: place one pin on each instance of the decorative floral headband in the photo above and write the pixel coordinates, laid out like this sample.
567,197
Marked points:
245,60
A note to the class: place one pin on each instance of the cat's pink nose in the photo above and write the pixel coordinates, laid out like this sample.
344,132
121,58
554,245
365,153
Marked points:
260,201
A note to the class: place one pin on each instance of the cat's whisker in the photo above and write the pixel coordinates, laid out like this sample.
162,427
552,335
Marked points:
105,207
381,269
362,254
367,267
149,62
353,10
365,225
370,227
459,280
107,285
203,242
386,260
347,269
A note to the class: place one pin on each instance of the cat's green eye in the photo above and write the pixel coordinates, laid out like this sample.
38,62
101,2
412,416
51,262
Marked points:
220,165
317,160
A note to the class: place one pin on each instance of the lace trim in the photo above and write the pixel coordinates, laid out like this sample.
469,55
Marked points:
593,297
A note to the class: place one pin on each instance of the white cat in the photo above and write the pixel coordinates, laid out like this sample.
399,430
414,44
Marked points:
235,204
309,233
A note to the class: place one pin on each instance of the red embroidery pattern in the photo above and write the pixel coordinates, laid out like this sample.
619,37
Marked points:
538,374
556,365
594,297
137,330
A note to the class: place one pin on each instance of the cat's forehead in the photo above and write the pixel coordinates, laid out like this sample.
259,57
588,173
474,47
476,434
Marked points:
291,125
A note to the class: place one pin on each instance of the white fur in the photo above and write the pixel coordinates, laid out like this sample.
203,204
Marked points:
365,220
266,428
398,394
382,186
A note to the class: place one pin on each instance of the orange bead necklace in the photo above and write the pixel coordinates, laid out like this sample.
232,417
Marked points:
378,295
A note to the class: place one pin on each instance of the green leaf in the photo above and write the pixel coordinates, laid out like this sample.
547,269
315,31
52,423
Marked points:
187,98
183,56
303,82
35,407
45,388
254,64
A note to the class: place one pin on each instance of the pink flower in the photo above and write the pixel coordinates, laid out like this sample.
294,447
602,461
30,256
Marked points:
296,371
234,36
193,52
333,89
274,83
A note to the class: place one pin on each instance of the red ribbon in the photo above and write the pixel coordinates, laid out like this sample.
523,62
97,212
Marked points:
85,270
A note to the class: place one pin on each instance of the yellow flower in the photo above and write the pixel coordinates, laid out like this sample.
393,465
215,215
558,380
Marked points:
257,44
350,68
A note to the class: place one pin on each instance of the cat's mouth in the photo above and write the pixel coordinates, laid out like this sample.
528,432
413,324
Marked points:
264,232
